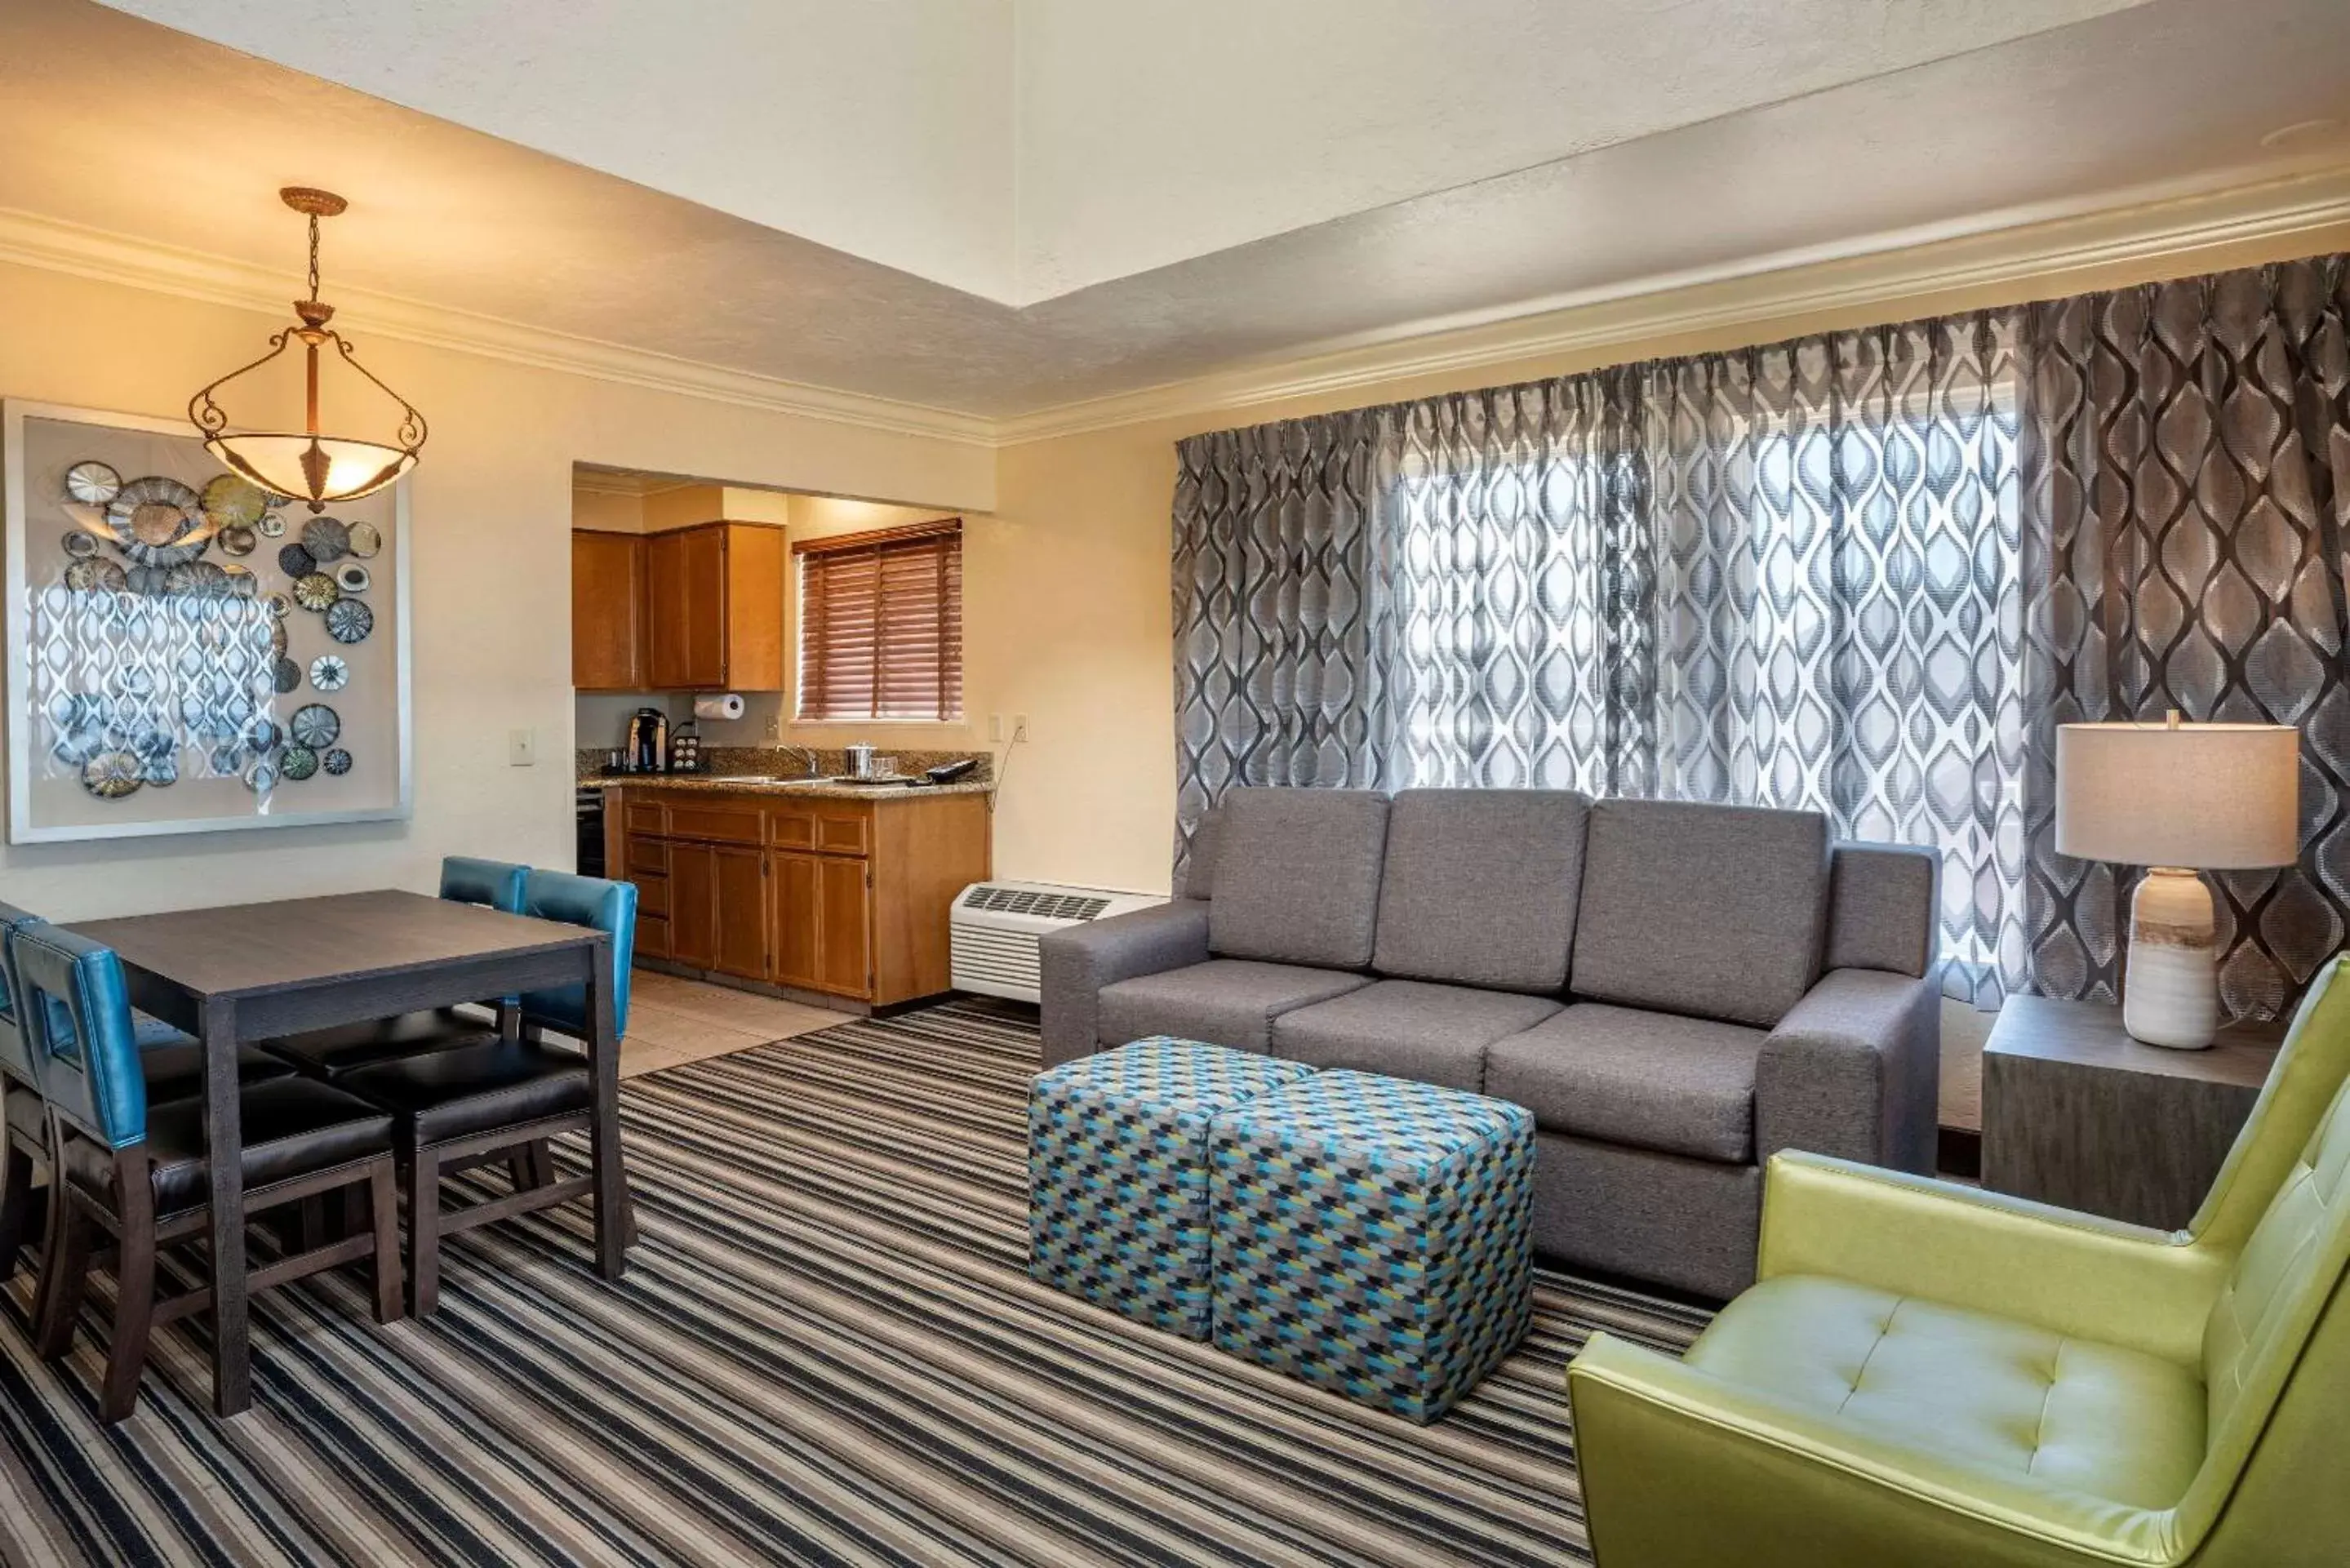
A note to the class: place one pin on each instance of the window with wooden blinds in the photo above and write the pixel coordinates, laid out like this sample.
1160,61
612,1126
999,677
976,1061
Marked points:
881,623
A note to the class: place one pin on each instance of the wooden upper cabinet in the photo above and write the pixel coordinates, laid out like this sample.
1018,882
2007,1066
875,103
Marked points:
715,607
607,611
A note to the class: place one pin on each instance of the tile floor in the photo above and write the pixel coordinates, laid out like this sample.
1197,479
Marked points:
674,1021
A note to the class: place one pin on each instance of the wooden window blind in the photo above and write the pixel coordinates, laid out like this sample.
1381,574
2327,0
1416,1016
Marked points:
881,623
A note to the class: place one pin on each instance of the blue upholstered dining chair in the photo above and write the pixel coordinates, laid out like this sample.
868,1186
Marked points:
25,1112
498,1095
138,1170
328,1054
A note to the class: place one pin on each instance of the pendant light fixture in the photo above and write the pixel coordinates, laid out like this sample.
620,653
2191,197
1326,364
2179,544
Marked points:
312,466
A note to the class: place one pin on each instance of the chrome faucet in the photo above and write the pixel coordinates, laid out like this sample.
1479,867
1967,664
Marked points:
814,768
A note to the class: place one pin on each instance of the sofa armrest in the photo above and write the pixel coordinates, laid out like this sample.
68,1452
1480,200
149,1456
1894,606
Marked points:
2068,1273
1854,1071
1075,963
1784,1483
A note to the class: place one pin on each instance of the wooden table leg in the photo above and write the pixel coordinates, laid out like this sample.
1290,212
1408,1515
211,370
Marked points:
225,1155
604,1067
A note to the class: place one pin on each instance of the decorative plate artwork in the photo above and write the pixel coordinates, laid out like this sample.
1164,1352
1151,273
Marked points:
158,521
330,673
159,773
338,762
110,775
297,763
81,547
315,725
353,578
240,580
261,777
237,539
197,577
271,527
280,604
327,538
278,640
92,484
350,620
227,762
316,591
85,576
296,561
230,500
364,540
263,735
286,675
148,580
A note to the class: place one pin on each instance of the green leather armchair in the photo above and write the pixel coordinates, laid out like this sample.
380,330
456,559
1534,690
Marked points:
1928,1374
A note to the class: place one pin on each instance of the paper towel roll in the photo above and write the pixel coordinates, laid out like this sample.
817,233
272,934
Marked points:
730,706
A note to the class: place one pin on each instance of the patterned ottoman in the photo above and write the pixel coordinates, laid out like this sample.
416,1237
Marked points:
1371,1235
1118,1172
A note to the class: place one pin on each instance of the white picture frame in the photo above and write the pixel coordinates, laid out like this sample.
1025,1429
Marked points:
40,810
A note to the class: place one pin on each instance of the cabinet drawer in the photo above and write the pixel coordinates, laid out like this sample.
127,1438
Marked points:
645,817
842,834
648,855
652,896
718,822
791,827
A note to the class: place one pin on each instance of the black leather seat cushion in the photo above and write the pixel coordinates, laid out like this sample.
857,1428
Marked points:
331,1052
476,1088
177,1071
27,1113
293,1127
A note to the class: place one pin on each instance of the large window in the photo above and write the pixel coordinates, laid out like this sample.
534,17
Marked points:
881,624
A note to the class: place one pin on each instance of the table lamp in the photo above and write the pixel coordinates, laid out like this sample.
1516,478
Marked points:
2177,799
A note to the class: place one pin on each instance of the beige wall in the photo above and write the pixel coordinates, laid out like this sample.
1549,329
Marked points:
1081,539
492,509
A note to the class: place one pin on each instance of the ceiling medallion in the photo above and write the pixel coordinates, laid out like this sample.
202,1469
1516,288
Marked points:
312,466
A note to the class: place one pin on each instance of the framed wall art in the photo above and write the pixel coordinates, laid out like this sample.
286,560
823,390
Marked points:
188,653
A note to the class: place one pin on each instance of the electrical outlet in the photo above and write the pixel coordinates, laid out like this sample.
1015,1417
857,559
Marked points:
522,748
1019,726
775,727
995,726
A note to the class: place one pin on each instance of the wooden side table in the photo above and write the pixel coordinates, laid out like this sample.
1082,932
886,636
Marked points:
2078,1113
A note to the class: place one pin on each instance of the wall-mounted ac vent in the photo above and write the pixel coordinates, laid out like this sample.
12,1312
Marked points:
995,926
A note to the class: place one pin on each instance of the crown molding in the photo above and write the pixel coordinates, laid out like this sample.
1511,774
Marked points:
2017,248
2026,247
31,239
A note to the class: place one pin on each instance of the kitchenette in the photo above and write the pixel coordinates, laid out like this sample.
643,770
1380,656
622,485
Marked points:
717,632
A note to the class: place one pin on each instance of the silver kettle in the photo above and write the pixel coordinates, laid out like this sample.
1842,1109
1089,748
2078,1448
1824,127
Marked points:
860,761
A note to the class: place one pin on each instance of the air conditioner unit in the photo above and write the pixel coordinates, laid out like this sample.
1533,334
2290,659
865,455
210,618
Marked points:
992,931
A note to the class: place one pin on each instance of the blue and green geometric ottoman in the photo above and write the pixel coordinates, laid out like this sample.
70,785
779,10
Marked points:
1118,1172
1371,1235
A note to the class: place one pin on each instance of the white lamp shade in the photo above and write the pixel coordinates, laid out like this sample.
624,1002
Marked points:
2211,798
353,468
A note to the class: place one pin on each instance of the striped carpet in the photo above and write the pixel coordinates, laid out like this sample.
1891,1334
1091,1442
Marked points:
826,1351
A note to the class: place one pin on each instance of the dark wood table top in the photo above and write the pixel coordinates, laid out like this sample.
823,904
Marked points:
255,948
2090,1035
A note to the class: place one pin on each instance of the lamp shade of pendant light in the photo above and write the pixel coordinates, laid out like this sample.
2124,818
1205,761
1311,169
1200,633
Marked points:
310,465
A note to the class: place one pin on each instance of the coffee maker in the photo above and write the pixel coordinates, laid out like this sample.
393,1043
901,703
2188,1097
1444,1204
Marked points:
648,745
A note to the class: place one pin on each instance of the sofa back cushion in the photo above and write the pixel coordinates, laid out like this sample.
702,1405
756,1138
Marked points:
1717,911
1480,885
1297,876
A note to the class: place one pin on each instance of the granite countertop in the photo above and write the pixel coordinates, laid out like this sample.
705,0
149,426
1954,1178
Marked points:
815,790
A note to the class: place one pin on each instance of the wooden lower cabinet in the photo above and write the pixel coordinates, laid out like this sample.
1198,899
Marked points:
844,899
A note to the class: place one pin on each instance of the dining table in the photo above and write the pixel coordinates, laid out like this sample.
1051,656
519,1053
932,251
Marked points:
246,972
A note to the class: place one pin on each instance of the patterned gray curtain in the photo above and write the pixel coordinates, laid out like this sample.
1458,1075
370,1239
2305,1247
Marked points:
1863,573
2188,470
1277,678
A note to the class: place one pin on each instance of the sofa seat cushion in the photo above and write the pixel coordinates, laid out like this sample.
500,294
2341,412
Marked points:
2080,1414
1717,911
1480,885
1644,1080
1224,1002
1408,1029
1297,876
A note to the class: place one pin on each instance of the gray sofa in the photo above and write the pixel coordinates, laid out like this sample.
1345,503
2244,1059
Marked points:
1675,990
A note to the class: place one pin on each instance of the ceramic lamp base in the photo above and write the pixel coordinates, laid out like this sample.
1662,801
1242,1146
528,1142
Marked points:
2170,986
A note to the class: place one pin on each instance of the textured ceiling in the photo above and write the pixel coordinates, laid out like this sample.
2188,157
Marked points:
128,127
